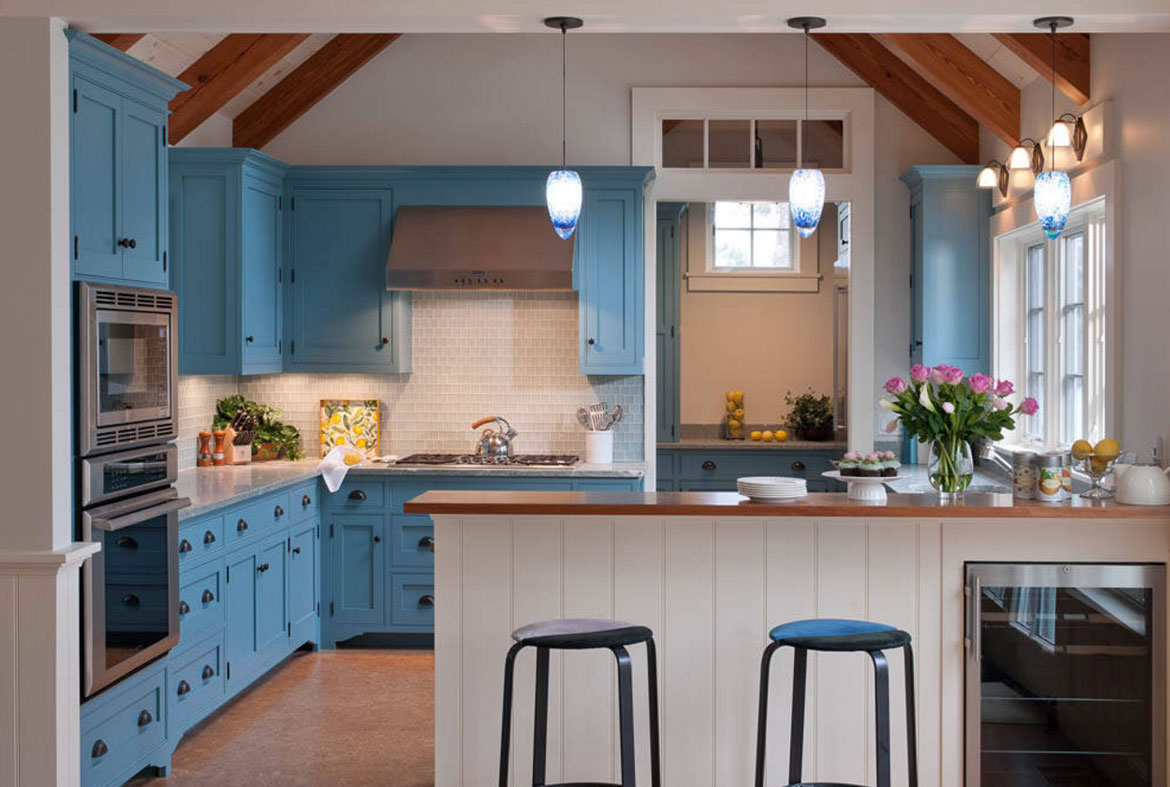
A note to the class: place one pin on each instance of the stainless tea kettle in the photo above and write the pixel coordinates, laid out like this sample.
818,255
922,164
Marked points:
493,443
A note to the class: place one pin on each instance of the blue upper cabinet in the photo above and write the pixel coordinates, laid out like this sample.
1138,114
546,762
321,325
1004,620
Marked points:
226,236
342,317
951,274
118,164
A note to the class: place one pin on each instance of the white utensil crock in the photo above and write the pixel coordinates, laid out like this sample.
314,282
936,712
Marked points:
599,448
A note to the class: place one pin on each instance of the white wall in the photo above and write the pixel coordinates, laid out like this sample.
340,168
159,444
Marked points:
1130,71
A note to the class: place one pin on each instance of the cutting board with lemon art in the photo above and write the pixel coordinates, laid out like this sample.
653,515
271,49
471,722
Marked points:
353,422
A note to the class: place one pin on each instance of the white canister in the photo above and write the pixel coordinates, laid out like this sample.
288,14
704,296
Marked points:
599,447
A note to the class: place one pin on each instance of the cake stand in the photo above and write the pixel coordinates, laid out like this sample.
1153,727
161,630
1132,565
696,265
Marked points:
865,489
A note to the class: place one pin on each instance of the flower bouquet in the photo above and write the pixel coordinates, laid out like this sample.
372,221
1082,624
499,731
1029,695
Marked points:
945,409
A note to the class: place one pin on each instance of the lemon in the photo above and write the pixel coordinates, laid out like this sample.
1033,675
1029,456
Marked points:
757,435
731,396
352,459
738,413
731,407
335,419
734,424
1106,449
1082,449
767,436
738,398
780,435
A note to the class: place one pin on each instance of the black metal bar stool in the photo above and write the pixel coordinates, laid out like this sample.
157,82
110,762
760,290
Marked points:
841,636
583,634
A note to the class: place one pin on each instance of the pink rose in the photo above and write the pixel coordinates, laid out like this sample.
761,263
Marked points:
1005,388
948,408
953,375
936,375
1030,406
895,385
981,383
999,404
919,373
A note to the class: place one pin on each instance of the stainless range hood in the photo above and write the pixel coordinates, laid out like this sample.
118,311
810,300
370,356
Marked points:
477,248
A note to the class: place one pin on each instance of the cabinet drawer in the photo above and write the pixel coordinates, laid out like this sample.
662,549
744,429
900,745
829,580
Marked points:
412,541
412,600
200,601
200,538
195,683
127,725
302,502
257,518
363,494
137,605
699,465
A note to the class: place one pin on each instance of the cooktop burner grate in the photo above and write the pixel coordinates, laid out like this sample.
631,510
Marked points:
530,460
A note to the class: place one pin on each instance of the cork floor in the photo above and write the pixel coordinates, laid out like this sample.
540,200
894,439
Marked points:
353,717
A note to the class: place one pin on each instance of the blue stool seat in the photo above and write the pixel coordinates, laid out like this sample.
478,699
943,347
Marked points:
838,634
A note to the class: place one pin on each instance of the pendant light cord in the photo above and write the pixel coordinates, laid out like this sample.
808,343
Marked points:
804,126
1051,143
564,100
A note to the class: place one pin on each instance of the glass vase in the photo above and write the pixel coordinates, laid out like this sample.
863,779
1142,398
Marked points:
950,466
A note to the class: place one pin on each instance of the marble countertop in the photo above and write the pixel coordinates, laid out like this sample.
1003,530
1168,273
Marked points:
212,488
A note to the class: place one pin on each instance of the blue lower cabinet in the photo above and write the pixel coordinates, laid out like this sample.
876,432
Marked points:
195,683
123,730
412,541
272,598
359,569
412,601
303,582
200,538
717,470
241,614
201,602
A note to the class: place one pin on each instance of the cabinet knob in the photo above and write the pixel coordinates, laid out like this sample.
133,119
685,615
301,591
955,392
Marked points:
377,539
126,542
385,340
144,718
306,500
128,243
798,465
248,339
278,511
209,537
708,465
100,749
131,600
208,596
590,340
296,550
427,601
184,607
427,542
184,687
208,672
241,526
184,546
262,567
357,494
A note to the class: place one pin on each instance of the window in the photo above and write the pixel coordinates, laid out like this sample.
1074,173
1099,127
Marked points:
749,145
1051,328
755,235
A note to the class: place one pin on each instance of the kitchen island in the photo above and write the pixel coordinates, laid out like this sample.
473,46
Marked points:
711,573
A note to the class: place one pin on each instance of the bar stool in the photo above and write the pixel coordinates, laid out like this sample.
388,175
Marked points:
583,634
848,636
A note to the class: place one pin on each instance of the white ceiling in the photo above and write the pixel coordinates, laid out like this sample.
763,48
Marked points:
693,16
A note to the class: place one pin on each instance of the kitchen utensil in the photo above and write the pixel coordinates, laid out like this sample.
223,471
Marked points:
615,416
583,417
865,489
1142,485
493,442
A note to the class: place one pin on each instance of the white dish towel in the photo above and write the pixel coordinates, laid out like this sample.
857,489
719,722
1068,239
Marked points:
333,466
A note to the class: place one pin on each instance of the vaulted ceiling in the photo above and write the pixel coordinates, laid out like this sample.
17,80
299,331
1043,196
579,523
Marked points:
948,84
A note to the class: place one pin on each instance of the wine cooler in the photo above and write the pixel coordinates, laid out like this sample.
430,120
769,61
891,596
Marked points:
1065,675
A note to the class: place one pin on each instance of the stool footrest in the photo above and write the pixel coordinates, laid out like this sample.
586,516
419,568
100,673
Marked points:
822,784
583,784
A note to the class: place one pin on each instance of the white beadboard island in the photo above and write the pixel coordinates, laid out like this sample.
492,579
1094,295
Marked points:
711,573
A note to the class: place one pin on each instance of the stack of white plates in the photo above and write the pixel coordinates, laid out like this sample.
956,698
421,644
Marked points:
772,489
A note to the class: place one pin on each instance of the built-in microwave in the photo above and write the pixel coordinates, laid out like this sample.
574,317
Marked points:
127,369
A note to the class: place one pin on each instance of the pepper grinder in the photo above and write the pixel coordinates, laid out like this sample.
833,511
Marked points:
218,458
204,455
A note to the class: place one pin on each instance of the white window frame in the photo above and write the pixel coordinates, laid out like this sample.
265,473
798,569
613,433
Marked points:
793,244
772,113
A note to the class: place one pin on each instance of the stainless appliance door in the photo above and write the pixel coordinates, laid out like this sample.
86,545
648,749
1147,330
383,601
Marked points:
131,586
1065,675
108,477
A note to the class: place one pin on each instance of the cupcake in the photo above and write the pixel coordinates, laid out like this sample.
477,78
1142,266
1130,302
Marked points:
871,466
850,464
890,464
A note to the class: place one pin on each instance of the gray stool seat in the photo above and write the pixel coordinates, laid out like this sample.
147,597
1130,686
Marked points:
581,633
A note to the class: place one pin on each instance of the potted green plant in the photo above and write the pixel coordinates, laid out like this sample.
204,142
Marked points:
810,415
274,440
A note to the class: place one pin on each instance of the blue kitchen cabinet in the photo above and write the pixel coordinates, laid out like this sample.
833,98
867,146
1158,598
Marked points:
668,279
124,729
272,598
341,315
359,570
117,161
226,241
688,470
611,282
303,581
241,613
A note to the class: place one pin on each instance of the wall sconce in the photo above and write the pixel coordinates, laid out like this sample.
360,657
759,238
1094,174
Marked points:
993,176
1069,131
1028,154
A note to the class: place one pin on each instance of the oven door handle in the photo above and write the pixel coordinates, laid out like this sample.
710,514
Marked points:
116,523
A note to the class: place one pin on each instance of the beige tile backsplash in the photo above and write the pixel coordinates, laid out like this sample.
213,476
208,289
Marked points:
475,354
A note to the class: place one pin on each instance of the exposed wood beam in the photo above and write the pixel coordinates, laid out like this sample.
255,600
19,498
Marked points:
310,82
902,86
223,73
979,89
1072,59
121,41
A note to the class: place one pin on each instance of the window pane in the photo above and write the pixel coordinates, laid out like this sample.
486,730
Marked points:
770,249
1072,339
736,215
732,248
775,144
682,143
1035,340
770,215
824,144
728,144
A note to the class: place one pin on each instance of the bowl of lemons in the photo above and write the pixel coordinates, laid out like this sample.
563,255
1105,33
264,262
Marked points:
1097,461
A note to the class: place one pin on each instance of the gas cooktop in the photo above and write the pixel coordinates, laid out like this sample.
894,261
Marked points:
524,460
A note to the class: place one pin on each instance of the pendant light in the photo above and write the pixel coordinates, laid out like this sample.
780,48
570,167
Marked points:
806,187
562,190
1053,191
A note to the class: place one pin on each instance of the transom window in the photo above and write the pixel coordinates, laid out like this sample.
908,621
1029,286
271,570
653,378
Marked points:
751,235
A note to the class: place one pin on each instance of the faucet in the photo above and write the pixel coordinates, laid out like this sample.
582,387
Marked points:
987,453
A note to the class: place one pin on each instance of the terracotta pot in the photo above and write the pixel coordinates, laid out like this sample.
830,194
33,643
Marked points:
263,452
816,434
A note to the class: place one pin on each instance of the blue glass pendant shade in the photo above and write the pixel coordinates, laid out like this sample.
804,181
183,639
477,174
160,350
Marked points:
1053,197
562,192
806,199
